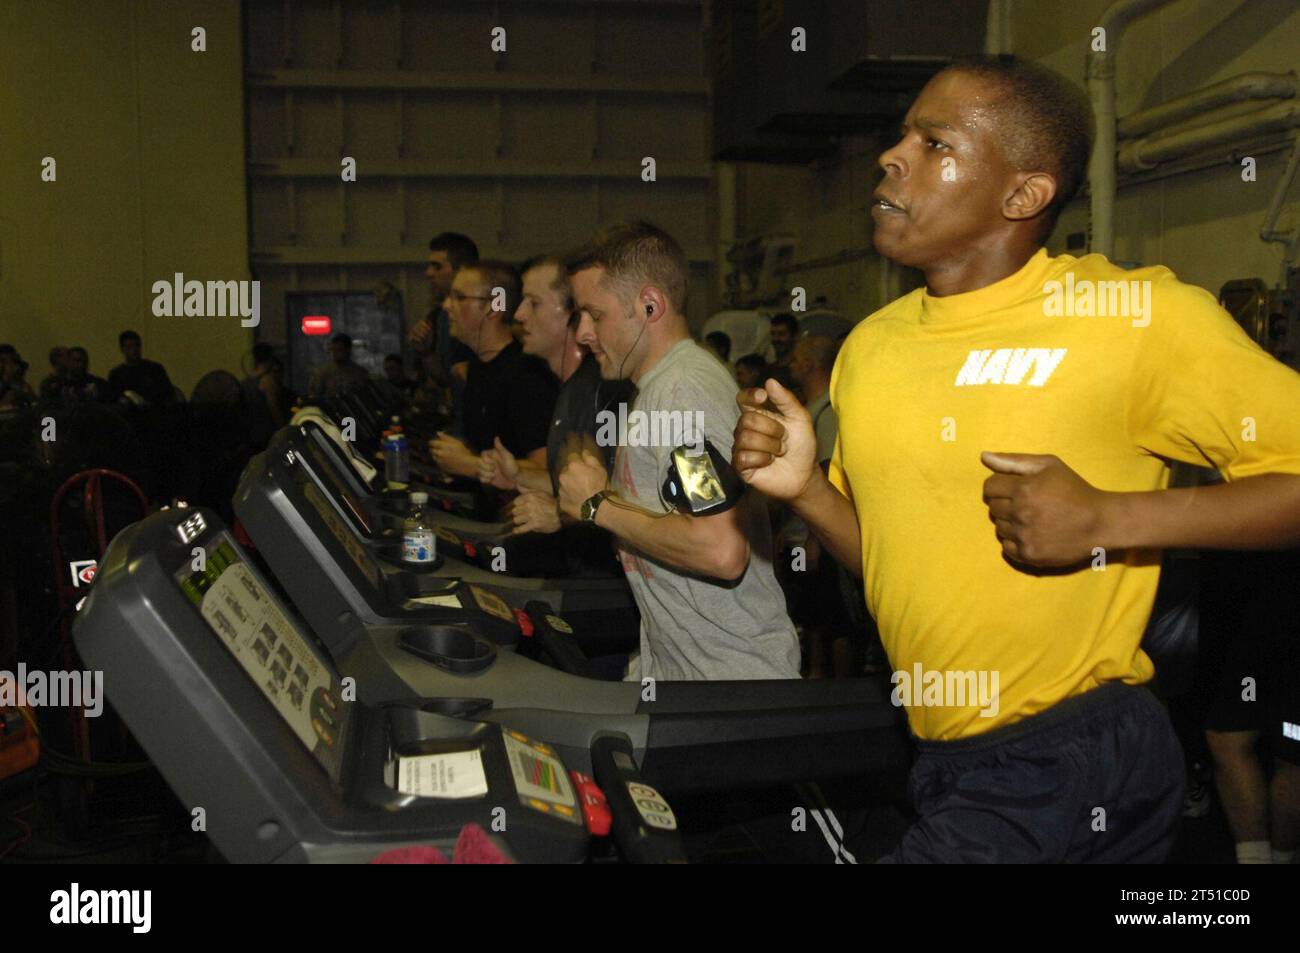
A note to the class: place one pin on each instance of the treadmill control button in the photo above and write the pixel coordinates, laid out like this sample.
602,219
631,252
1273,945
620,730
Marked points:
525,623
654,810
595,808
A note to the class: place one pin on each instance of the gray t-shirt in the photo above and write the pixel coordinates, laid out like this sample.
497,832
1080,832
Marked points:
693,627
825,424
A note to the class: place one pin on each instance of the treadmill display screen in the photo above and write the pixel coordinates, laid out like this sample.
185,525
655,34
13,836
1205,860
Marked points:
291,673
346,538
324,470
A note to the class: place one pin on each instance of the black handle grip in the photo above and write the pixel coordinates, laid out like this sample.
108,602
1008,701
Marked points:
563,650
644,826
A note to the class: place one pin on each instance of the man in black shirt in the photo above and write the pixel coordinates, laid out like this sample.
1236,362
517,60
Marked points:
145,378
508,395
52,383
546,319
79,385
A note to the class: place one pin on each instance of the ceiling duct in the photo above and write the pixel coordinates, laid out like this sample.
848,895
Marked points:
863,64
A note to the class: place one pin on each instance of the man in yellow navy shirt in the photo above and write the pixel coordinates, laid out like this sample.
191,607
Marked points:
1000,479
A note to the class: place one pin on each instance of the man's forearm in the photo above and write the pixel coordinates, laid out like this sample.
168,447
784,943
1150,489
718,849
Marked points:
830,514
460,464
533,477
1259,512
685,542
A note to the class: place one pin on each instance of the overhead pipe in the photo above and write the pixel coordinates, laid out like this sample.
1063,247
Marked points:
1289,240
997,27
1101,90
1150,151
1238,89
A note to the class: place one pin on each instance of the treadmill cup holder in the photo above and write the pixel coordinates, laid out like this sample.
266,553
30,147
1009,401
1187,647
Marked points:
450,648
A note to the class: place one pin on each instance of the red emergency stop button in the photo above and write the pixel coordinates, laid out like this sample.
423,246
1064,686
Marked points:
595,809
525,623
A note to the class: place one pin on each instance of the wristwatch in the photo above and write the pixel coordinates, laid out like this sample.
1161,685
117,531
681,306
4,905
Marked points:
590,506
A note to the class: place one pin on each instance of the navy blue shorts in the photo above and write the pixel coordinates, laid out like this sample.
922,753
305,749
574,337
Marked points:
1096,779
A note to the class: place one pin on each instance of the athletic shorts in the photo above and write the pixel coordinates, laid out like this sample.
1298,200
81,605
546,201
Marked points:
1098,778
1250,624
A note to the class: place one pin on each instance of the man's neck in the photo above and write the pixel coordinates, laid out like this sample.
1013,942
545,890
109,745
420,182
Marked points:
658,348
977,268
565,360
495,340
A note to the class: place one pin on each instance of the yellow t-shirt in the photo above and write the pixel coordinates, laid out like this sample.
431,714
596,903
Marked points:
925,384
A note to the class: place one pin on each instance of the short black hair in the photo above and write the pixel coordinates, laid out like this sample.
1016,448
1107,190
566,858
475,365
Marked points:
721,341
342,338
788,320
127,336
78,349
460,249
753,361
262,352
1044,121
501,274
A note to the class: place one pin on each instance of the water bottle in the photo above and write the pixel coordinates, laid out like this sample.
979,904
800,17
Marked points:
417,534
390,460
403,452
397,459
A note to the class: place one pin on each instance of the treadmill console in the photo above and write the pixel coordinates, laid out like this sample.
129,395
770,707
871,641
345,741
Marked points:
249,720
292,674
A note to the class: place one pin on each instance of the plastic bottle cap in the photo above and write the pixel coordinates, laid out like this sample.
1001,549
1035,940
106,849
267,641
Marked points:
419,499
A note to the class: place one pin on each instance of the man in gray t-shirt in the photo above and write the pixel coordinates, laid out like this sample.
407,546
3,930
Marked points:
710,604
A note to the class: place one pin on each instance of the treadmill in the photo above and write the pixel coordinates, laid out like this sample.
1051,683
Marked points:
326,543
488,545
249,716
249,720
371,414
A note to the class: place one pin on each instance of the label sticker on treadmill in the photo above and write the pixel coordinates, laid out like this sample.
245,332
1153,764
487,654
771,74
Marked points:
654,810
540,776
457,774
491,603
449,600
267,645
347,539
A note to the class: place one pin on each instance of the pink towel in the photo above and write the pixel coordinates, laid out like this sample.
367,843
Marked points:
473,846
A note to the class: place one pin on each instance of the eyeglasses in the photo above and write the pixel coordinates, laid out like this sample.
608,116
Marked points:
457,297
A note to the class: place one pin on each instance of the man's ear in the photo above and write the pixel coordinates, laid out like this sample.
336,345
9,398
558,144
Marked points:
1031,197
652,304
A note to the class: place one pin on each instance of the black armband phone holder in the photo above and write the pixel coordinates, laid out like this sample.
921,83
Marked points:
700,481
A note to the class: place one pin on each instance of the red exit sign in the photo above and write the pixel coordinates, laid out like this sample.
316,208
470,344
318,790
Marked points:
316,324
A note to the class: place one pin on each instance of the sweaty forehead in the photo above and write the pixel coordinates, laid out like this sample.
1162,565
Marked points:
959,101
